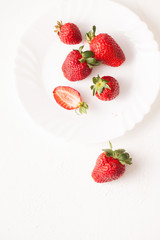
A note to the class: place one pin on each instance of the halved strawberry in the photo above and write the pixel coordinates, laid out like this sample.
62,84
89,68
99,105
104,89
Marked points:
69,98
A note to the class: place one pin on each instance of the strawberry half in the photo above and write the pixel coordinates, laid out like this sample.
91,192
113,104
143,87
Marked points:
68,33
105,88
69,98
110,165
78,64
105,48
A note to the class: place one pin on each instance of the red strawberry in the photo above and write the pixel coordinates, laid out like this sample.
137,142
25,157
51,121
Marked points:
68,33
105,88
78,65
69,98
105,48
110,165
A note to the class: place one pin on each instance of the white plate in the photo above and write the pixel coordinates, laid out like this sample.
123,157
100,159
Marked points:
38,71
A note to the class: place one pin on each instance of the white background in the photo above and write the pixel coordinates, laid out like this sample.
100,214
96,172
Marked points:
46,191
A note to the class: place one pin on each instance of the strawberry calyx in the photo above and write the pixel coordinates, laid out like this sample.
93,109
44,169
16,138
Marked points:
88,57
58,27
99,85
82,107
120,154
90,35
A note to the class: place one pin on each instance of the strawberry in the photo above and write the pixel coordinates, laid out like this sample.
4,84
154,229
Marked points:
68,33
105,88
110,165
78,65
69,98
105,48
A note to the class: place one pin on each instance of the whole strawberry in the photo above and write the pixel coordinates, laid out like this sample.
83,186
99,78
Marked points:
110,165
105,48
105,88
78,65
68,33
69,98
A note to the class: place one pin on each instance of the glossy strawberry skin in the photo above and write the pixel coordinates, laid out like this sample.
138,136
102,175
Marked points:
70,34
107,169
109,94
73,69
107,50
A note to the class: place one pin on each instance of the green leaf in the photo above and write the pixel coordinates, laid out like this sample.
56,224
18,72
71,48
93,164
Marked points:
114,155
94,91
85,105
83,110
81,48
127,155
99,83
97,63
94,80
80,110
107,86
82,60
89,65
109,152
123,163
119,154
91,34
100,90
91,61
94,29
87,54
110,144
92,87
120,151
129,161
87,37
123,156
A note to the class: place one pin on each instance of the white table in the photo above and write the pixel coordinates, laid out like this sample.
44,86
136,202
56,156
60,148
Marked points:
46,191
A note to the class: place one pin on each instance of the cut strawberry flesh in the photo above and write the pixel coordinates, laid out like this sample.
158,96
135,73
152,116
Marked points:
67,97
